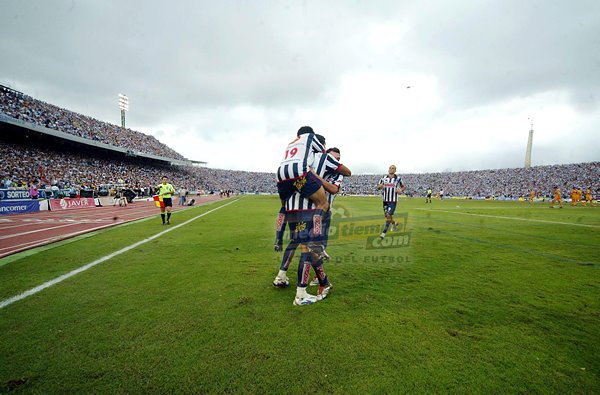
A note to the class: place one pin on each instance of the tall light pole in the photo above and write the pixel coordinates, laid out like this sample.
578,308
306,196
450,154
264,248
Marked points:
124,106
529,144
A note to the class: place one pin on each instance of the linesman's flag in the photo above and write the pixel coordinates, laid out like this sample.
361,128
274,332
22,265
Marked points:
158,200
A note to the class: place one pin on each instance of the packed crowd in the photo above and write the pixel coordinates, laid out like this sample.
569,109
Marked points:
506,183
26,165
23,165
20,106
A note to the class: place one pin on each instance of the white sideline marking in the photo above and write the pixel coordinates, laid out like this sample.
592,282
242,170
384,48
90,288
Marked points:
515,218
83,268
35,231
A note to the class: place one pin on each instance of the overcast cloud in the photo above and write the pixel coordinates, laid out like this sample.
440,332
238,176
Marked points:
427,85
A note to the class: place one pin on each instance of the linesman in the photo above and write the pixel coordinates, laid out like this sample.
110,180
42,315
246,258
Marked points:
166,191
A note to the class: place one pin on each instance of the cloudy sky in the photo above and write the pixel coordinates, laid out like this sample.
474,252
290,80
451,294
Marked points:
426,85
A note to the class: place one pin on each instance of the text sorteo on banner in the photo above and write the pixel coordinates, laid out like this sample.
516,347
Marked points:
14,194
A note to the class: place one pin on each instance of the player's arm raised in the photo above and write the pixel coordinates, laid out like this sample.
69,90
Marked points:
343,170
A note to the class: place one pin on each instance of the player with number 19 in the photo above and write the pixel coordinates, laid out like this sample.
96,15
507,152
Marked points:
298,213
295,175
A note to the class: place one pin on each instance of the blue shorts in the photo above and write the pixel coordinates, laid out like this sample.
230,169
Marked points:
306,185
305,226
389,208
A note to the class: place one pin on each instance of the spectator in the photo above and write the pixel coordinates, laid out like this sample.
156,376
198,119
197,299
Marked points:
33,190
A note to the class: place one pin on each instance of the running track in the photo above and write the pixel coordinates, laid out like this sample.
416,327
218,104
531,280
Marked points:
20,232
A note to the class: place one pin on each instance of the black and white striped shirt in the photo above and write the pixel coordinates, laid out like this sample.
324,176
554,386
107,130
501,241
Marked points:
299,156
390,184
327,167
336,179
325,164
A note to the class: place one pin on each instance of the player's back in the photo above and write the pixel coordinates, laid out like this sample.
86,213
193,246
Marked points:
299,156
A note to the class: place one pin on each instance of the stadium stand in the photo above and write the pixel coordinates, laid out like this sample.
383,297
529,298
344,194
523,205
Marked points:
498,183
22,107
28,157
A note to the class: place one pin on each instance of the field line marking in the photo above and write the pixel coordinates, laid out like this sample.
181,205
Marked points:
47,240
39,288
56,241
515,218
36,231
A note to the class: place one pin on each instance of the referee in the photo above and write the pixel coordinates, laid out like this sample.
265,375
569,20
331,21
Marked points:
166,190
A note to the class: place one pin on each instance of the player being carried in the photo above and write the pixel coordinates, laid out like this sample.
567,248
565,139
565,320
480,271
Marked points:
390,185
295,174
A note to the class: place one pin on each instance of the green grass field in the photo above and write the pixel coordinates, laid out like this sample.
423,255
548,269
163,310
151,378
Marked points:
488,297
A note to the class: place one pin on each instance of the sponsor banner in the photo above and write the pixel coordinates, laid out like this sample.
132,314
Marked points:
18,207
14,194
69,204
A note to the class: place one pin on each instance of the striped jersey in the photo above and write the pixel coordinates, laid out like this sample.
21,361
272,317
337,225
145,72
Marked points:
336,179
390,184
326,167
299,156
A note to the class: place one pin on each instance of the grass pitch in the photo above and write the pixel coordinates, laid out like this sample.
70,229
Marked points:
476,297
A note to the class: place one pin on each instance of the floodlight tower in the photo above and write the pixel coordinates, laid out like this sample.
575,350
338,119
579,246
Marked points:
529,143
124,106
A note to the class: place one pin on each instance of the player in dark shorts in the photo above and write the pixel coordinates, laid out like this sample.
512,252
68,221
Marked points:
295,174
390,185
